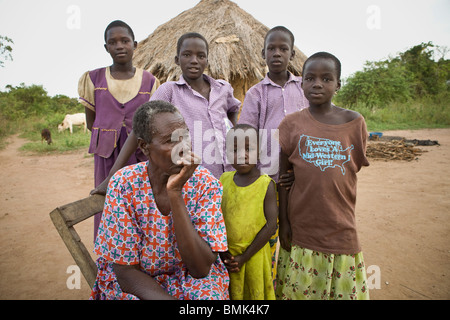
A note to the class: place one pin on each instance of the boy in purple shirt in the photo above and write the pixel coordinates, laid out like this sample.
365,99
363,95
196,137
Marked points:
207,105
208,120
277,95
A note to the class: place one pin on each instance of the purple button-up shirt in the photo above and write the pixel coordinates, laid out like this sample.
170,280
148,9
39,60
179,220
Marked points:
207,120
265,105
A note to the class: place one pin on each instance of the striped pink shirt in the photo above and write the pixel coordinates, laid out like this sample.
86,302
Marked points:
265,105
207,120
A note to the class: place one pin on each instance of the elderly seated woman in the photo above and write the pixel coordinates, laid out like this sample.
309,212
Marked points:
162,225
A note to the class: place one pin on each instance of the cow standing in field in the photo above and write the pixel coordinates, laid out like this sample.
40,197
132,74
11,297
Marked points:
46,135
70,120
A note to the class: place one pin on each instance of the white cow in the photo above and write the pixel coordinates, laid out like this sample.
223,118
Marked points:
70,120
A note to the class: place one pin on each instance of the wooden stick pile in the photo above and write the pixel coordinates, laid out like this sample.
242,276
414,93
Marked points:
393,150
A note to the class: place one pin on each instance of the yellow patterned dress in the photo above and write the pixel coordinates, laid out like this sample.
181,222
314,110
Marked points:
243,211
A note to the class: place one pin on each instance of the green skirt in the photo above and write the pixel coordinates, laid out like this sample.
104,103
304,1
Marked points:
305,274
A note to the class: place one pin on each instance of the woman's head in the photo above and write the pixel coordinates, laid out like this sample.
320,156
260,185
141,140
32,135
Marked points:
160,128
192,55
144,125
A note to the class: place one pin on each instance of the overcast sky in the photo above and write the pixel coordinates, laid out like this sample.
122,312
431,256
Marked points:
55,41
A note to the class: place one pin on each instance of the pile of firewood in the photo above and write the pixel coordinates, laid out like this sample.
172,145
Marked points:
393,150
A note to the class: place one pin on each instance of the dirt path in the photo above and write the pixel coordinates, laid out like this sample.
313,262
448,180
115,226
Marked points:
403,211
403,214
34,260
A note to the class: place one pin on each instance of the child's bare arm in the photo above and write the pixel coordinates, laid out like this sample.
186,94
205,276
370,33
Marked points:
90,118
269,229
134,281
286,180
285,228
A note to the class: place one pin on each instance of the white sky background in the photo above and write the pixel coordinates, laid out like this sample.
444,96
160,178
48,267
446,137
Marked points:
52,49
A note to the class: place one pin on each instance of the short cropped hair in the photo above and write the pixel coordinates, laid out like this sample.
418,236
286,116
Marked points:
143,119
325,55
281,29
190,35
119,23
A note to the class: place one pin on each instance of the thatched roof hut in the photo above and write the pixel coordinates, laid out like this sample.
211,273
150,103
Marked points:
235,43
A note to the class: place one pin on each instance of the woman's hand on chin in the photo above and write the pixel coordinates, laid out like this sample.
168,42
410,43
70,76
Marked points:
188,164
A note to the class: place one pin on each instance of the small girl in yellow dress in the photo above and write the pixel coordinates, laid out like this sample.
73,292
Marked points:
249,207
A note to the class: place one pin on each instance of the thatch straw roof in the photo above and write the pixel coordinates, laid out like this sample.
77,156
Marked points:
235,43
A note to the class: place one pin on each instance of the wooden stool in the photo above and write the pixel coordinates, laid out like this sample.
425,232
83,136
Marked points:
64,218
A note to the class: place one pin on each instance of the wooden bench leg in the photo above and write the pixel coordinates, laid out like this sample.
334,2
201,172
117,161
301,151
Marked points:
64,218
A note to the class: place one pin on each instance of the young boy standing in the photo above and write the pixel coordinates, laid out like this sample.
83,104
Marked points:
277,95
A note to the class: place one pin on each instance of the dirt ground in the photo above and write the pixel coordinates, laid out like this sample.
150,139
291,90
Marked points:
403,211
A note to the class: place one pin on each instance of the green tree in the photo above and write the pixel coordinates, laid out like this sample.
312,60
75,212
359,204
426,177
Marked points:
28,101
422,69
5,50
378,84
410,75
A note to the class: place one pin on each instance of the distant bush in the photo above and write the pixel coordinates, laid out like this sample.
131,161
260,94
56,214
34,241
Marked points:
409,91
413,74
29,109
23,102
